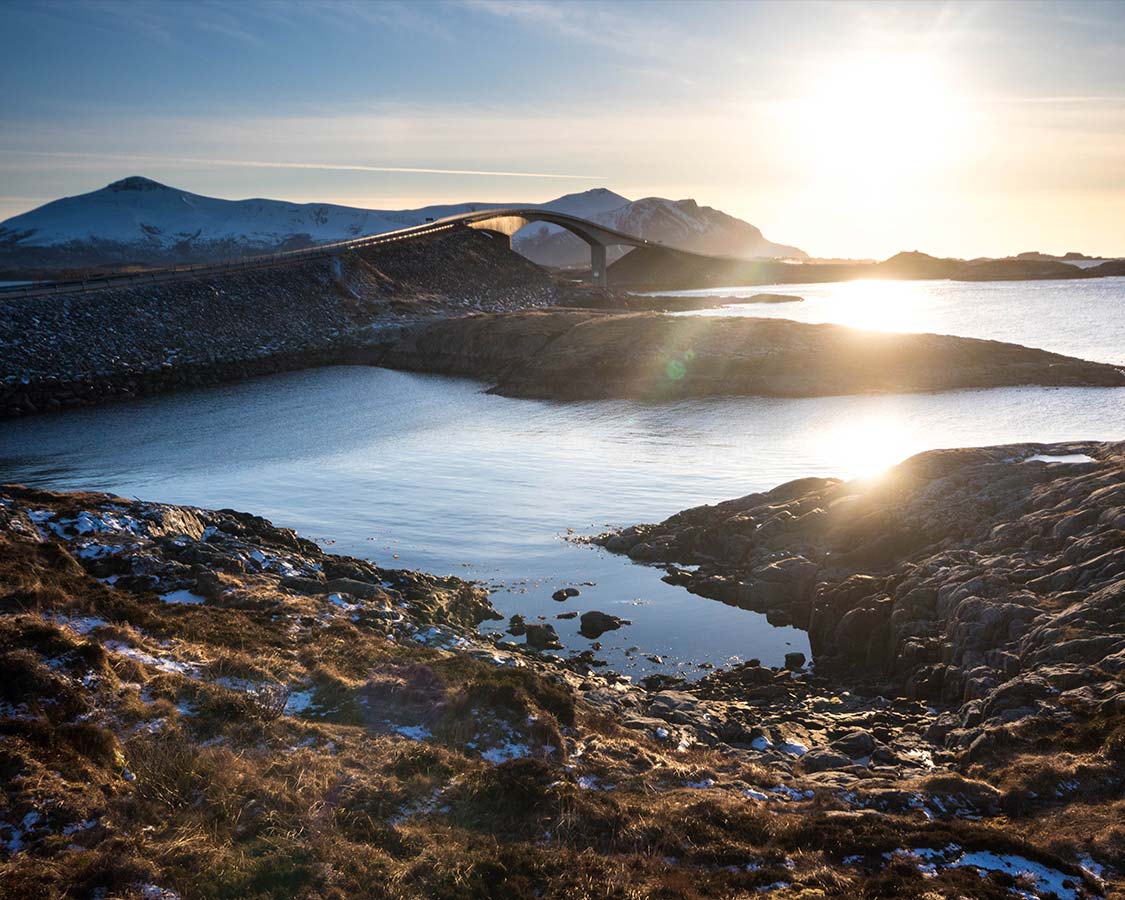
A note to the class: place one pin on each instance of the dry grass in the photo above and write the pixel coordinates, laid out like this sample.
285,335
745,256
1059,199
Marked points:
217,792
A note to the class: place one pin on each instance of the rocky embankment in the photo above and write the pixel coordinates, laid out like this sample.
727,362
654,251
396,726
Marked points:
84,348
988,582
577,354
196,703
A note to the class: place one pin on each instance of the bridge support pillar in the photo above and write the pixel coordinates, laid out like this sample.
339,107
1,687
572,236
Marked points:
598,273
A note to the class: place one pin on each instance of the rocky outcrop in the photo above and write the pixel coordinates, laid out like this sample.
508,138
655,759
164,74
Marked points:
991,580
572,354
87,347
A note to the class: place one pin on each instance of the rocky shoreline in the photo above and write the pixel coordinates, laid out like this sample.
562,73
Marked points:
87,348
198,703
582,355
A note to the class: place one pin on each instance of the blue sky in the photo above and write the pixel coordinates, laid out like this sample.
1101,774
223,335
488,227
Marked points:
845,128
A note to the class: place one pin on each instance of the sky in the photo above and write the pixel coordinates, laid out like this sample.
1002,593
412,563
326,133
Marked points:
848,129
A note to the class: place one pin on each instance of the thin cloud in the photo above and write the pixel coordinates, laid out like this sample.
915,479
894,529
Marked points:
637,35
329,167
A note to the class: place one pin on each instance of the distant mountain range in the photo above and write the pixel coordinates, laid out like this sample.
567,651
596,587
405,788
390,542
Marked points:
139,221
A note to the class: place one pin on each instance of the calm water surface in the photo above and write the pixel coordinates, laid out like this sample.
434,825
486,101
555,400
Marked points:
427,472
1078,318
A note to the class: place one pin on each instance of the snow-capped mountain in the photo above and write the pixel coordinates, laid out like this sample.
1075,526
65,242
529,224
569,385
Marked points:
683,224
137,220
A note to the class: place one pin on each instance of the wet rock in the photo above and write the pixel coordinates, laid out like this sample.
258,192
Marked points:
677,576
517,625
594,623
542,637
565,594
794,661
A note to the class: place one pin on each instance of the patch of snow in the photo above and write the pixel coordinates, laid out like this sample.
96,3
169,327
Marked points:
1063,458
790,793
506,751
183,597
920,755
81,624
439,636
414,732
75,827
702,784
92,550
299,702
1047,880
162,663
155,892
1091,867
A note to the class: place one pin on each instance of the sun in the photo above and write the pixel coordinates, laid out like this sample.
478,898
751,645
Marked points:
880,118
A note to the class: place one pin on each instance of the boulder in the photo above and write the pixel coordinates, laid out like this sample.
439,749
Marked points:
821,759
595,623
542,637
565,594
855,744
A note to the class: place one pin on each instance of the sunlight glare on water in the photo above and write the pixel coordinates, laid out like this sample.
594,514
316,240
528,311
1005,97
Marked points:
1084,318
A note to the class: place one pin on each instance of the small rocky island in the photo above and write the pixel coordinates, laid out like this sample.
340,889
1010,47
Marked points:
197,703
582,355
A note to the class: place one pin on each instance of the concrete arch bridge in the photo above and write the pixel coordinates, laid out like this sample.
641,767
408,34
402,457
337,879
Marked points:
507,222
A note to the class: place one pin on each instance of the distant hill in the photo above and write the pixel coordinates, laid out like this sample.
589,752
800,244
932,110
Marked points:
657,268
139,221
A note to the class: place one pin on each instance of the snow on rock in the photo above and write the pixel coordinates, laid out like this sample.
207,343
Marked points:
439,636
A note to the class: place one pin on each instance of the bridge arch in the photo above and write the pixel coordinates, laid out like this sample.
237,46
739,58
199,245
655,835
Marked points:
509,221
